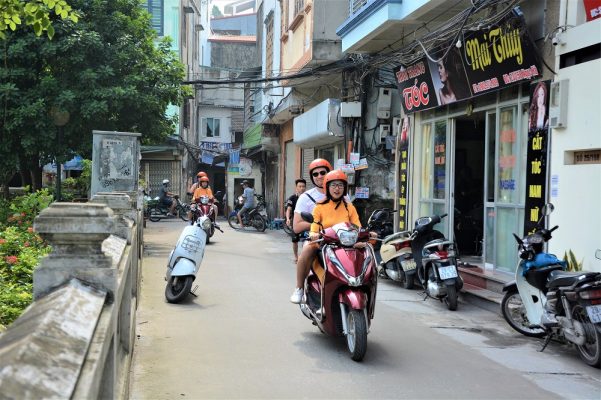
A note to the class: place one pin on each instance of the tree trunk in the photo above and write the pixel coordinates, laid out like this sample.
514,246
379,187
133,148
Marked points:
36,177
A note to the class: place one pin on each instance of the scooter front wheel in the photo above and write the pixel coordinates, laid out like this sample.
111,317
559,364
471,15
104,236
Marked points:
178,288
514,312
356,336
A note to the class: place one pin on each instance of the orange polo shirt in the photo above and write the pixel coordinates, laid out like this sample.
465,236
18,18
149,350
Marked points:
329,215
202,192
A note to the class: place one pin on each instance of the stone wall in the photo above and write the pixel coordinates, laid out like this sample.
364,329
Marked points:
76,339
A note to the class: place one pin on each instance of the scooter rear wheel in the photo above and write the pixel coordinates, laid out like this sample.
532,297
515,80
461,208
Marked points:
514,312
451,298
590,351
178,288
356,337
154,214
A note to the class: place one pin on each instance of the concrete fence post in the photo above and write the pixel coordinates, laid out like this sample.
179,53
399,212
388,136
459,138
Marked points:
125,212
76,232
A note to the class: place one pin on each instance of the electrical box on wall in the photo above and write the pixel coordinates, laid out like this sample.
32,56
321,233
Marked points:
350,109
396,125
558,104
384,100
384,131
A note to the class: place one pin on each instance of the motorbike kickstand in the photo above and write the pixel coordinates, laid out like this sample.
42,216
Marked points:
546,343
194,290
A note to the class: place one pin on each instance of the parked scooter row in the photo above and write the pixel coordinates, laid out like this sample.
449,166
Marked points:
426,256
545,300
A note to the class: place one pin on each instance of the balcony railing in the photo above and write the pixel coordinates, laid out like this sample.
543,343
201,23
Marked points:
299,6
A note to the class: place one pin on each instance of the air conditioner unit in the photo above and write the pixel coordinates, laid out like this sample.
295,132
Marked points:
384,100
383,132
558,104
396,125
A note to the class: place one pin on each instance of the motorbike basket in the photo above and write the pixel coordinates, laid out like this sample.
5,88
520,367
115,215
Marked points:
538,277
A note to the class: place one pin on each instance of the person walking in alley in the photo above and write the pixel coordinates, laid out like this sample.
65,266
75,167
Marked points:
300,186
249,201
305,203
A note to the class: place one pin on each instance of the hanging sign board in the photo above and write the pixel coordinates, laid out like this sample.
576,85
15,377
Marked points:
403,173
536,156
488,60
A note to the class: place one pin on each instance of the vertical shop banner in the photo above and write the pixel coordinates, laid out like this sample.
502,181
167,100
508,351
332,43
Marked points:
487,60
403,173
536,156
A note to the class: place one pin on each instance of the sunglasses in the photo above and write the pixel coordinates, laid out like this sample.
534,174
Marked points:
316,174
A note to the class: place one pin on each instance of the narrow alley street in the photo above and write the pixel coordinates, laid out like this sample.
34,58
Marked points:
242,338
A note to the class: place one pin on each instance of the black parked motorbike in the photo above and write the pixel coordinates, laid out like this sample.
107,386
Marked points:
380,221
436,261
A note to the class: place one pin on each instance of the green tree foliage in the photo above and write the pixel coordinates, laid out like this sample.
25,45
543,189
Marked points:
109,72
34,13
216,12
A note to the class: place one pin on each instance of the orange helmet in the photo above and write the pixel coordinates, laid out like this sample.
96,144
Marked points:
201,174
318,163
336,175
204,179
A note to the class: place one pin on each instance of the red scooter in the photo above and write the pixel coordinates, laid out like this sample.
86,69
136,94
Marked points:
204,208
340,291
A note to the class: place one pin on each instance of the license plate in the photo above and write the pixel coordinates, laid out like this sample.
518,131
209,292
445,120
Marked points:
594,313
408,265
447,272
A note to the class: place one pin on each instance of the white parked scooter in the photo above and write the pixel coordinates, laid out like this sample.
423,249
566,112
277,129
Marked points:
185,259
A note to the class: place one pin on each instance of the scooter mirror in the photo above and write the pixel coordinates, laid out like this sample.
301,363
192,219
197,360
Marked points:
548,209
598,254
307,217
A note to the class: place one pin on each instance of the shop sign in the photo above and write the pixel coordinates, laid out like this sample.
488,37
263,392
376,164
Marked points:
361,192
403,173
593,9
536,155
488,60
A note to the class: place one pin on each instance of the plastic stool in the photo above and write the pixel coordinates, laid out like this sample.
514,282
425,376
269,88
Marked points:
278,223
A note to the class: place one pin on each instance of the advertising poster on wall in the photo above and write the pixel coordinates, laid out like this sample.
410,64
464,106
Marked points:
536,155
403,173
486,60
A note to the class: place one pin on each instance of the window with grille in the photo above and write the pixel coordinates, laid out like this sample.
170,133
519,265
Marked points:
155,8
284,17
356,5
299,6
269,45
210,127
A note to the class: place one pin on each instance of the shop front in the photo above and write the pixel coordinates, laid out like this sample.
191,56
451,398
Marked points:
469,141
471,165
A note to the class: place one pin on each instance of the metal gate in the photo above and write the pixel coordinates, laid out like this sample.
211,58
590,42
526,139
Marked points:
155,171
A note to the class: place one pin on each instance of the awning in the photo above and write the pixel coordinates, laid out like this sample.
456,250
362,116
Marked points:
252,136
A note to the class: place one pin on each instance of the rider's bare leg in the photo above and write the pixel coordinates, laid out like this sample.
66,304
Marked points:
303,265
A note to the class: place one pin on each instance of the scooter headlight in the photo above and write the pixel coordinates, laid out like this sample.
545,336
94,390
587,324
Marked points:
206,224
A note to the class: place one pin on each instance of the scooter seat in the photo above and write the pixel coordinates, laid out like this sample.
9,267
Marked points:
564,278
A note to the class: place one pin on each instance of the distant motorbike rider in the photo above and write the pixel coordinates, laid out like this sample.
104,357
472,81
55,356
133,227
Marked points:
196,184
249,201
166,197
204,190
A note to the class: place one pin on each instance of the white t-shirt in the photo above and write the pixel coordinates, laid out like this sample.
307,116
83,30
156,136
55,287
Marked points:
304,202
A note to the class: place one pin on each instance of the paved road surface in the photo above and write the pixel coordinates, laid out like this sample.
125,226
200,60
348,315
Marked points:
241,338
